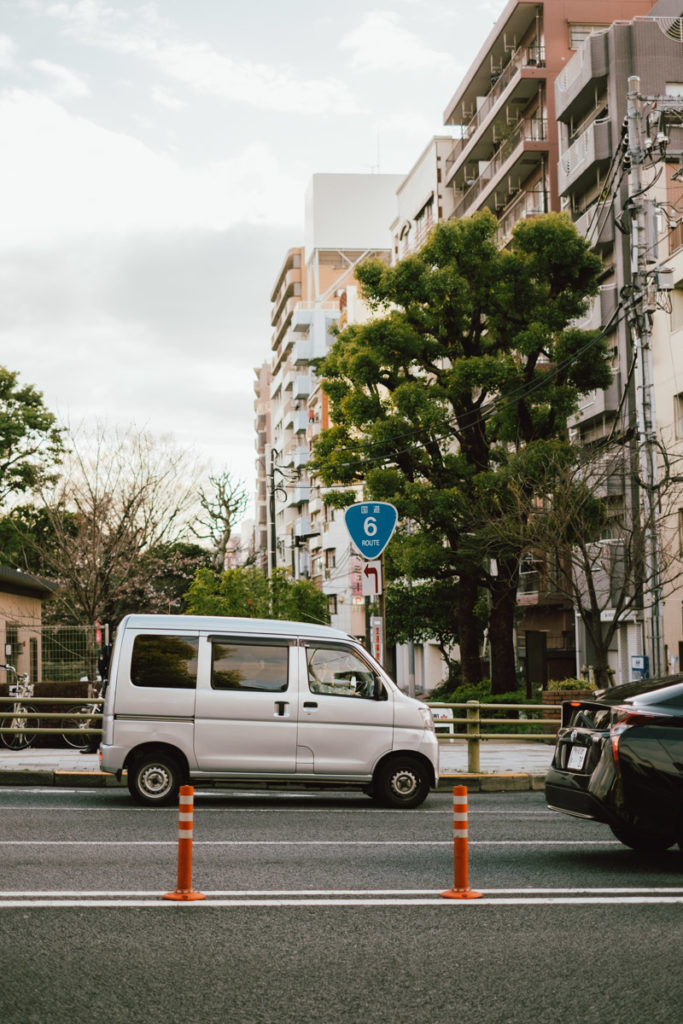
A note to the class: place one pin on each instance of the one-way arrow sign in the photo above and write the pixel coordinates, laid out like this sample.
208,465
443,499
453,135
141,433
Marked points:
372,579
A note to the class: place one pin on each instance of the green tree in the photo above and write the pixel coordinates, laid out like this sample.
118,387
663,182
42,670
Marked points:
250,594
31,444
460,386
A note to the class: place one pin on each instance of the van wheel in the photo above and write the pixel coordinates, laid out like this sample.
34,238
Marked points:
154,779
401,782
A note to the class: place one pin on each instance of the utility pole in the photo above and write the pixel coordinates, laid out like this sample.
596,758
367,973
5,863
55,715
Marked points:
646,279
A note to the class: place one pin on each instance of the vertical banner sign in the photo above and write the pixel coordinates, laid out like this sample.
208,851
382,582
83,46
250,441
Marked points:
377,637
370,525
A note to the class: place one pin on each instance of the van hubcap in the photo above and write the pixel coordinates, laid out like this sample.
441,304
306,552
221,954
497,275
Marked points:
404,782
154,780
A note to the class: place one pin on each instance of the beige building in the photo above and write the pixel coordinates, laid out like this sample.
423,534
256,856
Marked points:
21,602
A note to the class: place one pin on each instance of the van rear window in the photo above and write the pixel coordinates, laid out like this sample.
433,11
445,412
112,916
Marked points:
166,661
249,666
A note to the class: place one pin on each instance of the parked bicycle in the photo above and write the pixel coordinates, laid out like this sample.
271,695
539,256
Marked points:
18,719
86,717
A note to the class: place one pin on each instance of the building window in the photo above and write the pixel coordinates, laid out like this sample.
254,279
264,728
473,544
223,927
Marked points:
676,309
674,88
678,414
330,558
332,604
578,34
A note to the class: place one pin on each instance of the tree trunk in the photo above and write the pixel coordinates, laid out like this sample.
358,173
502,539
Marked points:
468,629
502,631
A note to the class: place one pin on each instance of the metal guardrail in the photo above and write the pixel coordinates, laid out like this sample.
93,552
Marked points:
449,726
469,728
7,713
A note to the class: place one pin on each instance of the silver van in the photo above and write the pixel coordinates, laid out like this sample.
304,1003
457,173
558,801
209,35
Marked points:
234,701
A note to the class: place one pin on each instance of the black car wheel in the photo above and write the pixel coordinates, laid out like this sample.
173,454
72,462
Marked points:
401,782
154,779
643,842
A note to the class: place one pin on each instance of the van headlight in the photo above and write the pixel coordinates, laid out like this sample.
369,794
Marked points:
427,718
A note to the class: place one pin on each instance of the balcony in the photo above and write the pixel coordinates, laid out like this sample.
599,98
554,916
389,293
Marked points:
591,151
511,85
302,385
302,353
596,224
528,203
600,403
575,85
301,421
300,494
526,145
302,527
301,456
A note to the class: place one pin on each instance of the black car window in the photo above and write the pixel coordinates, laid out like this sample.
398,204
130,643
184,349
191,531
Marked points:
249,666
164,661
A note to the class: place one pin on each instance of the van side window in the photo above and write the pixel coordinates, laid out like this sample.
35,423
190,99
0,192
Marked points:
168,661
249,666
340,672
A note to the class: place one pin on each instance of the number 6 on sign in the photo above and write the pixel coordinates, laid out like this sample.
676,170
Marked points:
370,525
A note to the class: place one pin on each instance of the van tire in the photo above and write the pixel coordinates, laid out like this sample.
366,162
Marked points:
401,782
154,779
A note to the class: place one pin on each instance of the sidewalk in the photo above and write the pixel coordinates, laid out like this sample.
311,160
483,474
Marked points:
504,766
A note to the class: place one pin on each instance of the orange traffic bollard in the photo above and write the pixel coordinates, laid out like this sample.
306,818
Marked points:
184,890
461,889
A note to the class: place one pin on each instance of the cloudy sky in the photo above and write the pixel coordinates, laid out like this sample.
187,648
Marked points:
154,161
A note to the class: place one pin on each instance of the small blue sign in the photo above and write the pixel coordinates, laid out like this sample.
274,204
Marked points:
371,524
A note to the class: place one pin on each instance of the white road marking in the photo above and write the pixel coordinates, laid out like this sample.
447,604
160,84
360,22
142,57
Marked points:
369,899
308,842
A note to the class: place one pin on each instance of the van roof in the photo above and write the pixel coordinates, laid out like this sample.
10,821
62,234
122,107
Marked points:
224,623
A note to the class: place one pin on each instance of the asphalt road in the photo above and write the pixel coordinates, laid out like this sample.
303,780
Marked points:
326,909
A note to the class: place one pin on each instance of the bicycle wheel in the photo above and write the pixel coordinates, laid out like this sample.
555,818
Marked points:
19,740
79,740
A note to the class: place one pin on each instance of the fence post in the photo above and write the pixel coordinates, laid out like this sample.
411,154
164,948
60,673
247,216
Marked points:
184,890
473,740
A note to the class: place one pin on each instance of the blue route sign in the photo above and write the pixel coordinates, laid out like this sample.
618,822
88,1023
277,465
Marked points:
371,524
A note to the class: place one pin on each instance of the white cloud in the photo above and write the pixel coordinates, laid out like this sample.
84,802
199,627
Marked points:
196,64
67,83
379,43
166,99
7,51
67,175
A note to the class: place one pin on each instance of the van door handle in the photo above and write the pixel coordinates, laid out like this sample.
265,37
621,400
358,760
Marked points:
280,706
310,704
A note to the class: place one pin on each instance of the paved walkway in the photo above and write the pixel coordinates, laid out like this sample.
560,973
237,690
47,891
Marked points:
503,766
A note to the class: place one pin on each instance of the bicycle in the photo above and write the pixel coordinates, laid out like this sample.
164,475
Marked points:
86,717
20,711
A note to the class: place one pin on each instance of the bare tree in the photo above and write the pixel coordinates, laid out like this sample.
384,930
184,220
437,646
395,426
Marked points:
590,539
121,494
220,509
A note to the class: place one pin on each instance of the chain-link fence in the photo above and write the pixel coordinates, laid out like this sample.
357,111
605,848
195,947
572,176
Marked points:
54,654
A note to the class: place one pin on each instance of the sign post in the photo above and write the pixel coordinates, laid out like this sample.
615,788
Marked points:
371,525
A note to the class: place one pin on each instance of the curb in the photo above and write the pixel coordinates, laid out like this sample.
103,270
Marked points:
42,777
504,782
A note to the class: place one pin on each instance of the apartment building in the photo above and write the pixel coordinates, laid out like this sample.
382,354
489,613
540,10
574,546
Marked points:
347,218
422,198
596,186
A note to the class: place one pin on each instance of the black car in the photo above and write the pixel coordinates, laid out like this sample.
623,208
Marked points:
619,759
